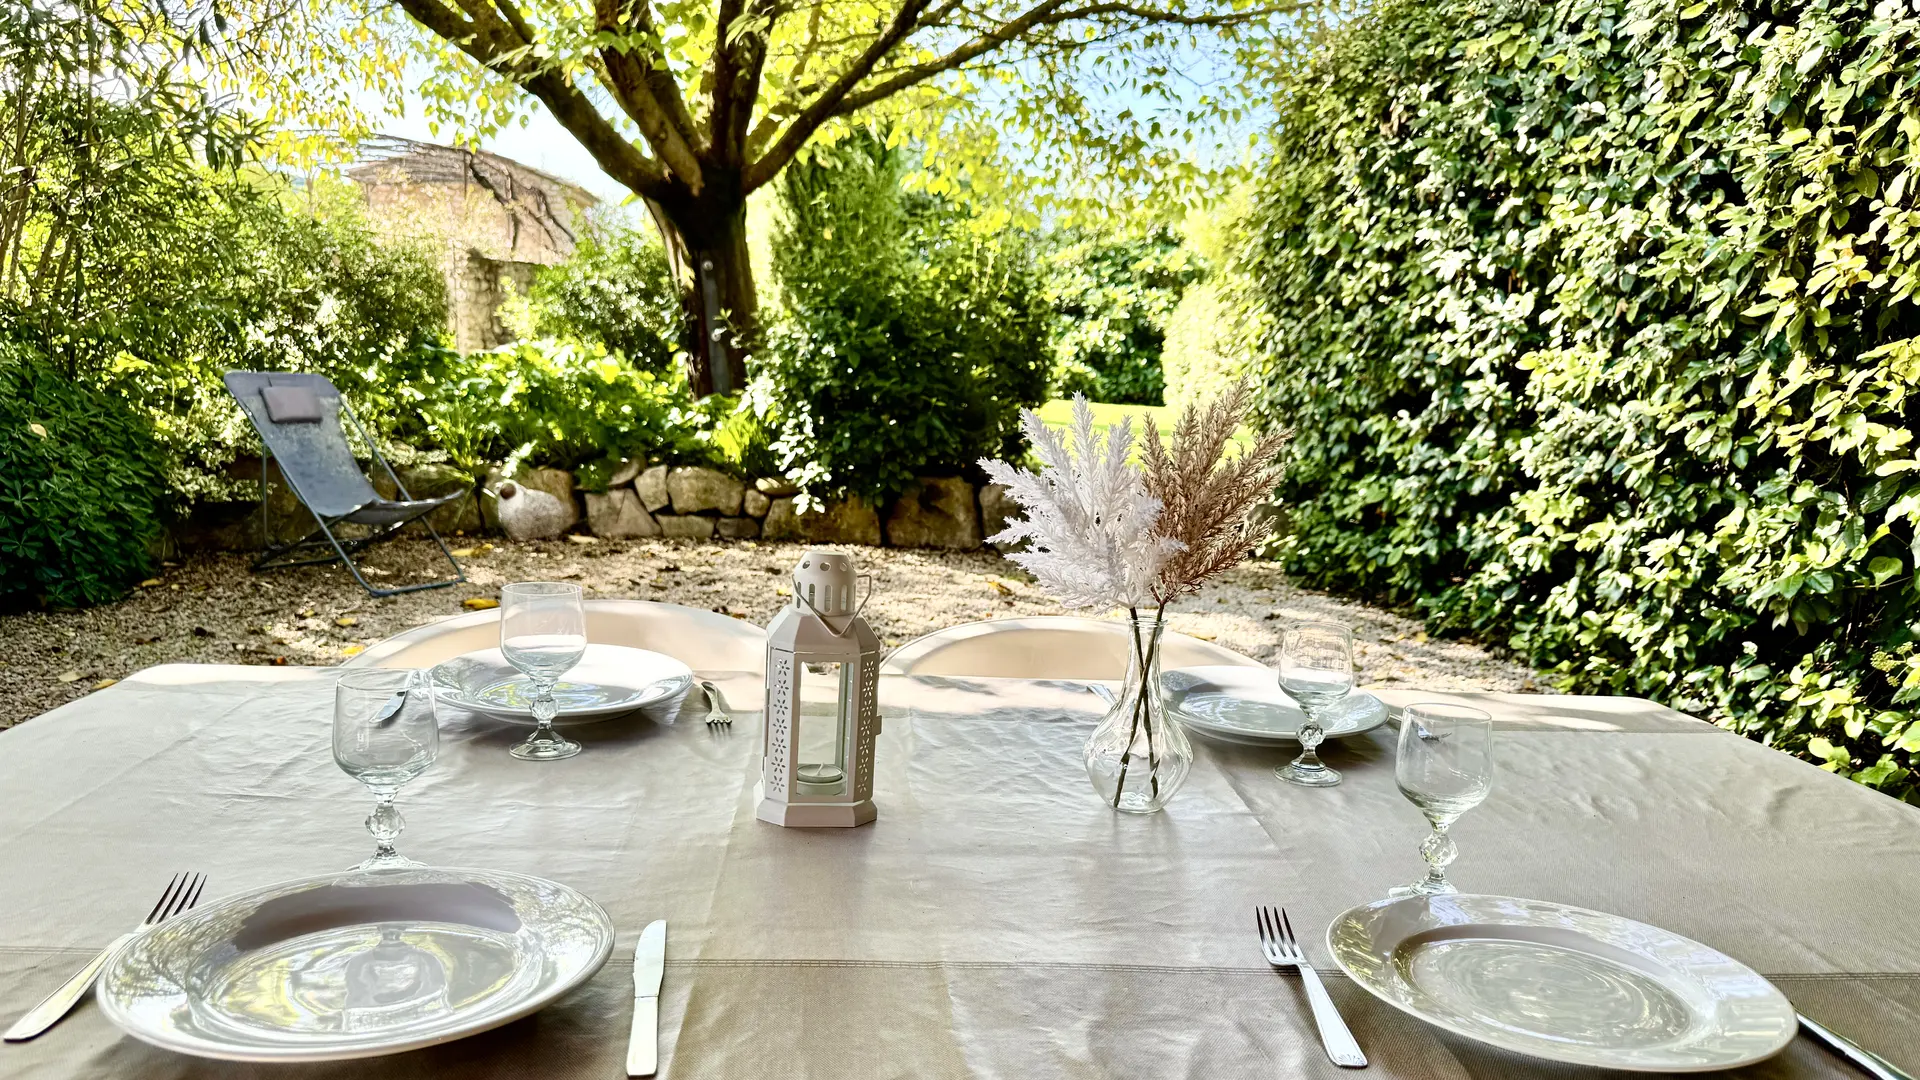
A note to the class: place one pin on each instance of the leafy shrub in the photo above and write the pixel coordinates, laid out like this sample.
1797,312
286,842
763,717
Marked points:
564,404
1204,354
206,271
616,291
82,483
1111,299
909,341
1596,324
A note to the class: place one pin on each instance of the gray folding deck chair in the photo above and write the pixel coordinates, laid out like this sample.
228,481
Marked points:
299,418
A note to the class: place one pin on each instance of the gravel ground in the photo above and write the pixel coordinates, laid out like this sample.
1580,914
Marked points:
211,609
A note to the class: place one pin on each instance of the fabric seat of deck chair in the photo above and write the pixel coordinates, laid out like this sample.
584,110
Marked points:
308,441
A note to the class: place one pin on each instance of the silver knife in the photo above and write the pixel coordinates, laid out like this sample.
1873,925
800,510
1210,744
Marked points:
1873,1063
649,964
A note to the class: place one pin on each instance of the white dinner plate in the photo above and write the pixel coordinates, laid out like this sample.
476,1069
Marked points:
609,681
354,964
1563,983
1246,705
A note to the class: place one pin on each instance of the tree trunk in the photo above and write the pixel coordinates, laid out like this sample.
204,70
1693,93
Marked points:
706,238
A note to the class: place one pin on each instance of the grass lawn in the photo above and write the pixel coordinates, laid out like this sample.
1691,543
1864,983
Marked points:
1058,413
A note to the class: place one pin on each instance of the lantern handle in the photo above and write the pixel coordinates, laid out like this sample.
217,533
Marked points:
801,596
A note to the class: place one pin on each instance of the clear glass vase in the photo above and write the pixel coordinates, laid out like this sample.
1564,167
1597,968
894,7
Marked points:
1138,757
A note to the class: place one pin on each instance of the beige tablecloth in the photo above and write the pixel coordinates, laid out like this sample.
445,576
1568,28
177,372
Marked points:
997,921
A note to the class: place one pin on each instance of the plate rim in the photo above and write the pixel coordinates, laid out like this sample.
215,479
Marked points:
293,1055
1246,738
573,717
1791,1029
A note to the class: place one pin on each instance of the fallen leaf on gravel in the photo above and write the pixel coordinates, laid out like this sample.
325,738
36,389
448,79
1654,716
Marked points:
1201,635
306,613
150,583
69,676
1000,587
345,620
104,683
280,661
479,603
576,538
353,650
462,553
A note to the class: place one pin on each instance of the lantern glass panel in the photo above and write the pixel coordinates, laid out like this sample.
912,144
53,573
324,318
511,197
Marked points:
820,745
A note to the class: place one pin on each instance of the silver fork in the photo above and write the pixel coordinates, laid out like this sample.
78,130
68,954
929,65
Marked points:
1283,951
181,894
717,714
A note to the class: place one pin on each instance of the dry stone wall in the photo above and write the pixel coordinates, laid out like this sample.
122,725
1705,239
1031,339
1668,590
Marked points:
655,500
698,503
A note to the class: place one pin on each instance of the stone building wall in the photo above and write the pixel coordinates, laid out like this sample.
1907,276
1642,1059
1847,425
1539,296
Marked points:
476,287
496,220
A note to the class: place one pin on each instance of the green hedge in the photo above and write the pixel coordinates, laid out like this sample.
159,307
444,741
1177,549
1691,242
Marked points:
1596,325
82,486
909,340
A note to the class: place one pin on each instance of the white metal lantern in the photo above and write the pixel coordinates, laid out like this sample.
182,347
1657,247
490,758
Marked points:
822,708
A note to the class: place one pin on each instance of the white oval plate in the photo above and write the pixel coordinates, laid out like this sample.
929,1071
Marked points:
1563,983
1246,705
609,681
355,964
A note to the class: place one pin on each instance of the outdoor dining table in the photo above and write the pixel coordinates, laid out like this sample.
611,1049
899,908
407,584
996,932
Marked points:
996,921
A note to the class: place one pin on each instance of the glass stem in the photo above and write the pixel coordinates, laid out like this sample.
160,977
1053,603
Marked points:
1311,733
385,824
544,710
1439,850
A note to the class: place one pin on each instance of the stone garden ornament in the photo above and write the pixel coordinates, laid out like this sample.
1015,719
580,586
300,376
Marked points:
527,513
1104,533
822,707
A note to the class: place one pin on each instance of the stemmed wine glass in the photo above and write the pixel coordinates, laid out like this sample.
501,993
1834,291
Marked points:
543,633
1444,766
1316,670
385,732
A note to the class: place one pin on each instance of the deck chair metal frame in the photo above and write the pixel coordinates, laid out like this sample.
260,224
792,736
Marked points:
329,482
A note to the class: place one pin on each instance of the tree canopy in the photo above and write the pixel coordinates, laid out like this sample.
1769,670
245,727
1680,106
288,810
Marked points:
695,104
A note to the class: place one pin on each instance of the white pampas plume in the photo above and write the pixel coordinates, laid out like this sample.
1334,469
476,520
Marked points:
1089,522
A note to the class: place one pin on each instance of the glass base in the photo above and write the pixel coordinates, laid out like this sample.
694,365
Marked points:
389,860
1312,774
548,746
1423,887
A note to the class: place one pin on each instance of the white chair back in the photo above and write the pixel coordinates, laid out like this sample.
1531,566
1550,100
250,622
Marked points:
1045,647
702,640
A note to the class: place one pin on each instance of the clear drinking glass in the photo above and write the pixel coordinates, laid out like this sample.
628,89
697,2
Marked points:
543,633
1444,766
1316,670
385,733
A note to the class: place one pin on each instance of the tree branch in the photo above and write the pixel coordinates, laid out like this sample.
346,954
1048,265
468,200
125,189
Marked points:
904,22
490,40
1033,19
670,134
